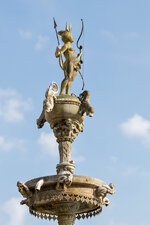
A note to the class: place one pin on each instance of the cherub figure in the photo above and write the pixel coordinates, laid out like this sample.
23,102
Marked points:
72,64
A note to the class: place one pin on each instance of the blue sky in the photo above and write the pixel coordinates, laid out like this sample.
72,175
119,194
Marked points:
115,145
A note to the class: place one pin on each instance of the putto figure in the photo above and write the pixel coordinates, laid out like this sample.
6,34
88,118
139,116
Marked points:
48,103
72,62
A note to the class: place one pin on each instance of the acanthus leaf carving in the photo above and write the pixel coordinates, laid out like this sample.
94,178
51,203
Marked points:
66,129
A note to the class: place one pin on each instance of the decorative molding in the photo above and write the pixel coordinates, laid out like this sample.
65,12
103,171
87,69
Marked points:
78,216
62,195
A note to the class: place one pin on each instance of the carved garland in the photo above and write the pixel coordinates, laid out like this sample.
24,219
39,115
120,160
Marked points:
66,101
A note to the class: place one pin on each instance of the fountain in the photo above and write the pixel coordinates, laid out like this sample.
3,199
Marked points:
65,197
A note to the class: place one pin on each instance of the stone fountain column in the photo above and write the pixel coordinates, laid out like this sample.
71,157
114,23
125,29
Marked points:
66,213
65,197
66,122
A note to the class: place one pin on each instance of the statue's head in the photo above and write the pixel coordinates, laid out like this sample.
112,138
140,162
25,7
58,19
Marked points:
66,34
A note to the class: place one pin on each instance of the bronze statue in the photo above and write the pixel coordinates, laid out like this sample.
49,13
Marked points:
72,64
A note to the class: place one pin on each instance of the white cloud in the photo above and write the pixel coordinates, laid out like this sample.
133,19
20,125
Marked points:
12,106
78,159
134,170
130,171
113,159
137,127
75,157
40,40
108,35
111,222
145,174
48,144
7,92
132,35
15,211
118,36
26,34
7,145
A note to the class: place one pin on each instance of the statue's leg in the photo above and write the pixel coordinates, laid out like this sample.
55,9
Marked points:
63,86
72,75
70,71
68,87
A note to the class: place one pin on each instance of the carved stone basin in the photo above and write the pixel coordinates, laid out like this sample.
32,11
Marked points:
66,107
84,198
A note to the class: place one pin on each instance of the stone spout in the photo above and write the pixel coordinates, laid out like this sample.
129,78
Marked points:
39,185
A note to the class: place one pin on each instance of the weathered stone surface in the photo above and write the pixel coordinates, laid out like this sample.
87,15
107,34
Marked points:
83,195
64,219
